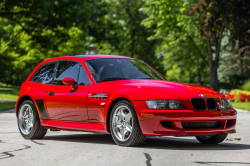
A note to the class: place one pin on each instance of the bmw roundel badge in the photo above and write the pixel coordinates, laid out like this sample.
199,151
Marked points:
201,95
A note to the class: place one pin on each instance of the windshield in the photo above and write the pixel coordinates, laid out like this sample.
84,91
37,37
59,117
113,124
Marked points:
108,69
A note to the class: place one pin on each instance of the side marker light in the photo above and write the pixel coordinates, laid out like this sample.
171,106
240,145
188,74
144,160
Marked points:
147,115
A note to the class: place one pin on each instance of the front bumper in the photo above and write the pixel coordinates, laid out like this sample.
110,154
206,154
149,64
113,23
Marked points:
174,119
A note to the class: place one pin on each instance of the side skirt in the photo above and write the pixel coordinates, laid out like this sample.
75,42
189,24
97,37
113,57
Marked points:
75,126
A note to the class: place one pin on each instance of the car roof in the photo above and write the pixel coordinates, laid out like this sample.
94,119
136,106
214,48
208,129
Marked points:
84,57
97,56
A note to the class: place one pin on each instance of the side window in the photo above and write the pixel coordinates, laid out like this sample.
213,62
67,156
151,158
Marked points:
83,77
66,69
44,74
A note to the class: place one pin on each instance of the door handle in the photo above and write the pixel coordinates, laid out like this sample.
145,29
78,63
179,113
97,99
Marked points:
51,93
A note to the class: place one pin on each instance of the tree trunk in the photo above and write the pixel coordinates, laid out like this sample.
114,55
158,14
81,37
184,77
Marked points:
214,64
151,54
242,63
213,77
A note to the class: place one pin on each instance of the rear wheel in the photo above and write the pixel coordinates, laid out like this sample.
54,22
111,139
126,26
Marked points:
28,121
125,128
216,139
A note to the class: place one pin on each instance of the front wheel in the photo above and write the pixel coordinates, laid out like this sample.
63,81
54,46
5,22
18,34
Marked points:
28,121
125,128
216,139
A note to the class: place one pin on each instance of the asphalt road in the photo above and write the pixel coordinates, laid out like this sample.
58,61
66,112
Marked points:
82,149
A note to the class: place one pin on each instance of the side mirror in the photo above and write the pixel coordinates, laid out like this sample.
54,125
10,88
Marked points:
70,81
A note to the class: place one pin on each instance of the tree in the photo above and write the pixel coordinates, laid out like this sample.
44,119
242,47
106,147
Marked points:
216,16
116,28
185,58
32,31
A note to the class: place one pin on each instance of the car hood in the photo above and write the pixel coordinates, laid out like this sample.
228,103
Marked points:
159,89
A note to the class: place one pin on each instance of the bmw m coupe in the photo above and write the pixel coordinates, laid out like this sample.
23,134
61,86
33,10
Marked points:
121,96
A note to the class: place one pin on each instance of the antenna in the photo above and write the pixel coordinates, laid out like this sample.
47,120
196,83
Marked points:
70,47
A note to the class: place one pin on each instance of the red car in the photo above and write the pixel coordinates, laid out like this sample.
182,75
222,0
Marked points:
121,96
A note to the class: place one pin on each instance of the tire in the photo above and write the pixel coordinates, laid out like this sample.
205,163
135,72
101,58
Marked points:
125,128
216,139
27,116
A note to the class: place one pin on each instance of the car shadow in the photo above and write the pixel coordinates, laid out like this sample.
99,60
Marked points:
83,138
152,142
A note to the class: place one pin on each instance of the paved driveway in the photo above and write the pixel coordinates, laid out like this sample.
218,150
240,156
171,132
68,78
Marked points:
81,149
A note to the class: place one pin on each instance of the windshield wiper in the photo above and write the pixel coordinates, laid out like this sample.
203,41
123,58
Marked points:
111,79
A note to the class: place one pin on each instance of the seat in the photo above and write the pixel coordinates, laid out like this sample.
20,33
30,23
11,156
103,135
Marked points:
108,72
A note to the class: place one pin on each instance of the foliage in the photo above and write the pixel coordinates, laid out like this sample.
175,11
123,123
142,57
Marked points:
246,86
202,42
33,31
117,29
214,18
231,65
238,91
238,95
183,51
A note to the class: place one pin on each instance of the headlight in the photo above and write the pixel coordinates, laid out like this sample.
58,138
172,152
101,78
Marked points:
226,104
166,104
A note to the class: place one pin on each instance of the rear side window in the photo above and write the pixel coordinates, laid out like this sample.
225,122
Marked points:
44,75
83,77
66,69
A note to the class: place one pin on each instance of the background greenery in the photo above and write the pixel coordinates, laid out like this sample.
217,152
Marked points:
6,105
203,42
240,105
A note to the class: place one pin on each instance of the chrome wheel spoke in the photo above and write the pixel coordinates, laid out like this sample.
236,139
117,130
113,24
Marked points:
26,120
128,117
123,133
25,117
128,128
30,125
121,115
26,125
118,126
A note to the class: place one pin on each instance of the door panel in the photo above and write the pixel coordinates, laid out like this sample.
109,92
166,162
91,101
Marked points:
62,103
67,105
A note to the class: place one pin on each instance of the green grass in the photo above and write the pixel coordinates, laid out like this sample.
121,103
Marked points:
241,105
6,105
10,93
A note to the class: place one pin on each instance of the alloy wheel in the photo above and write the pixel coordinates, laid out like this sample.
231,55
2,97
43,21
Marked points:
122,123
26,119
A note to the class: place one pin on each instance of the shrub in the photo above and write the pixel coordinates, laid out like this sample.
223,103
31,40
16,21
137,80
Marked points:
229,96
238,95
246,86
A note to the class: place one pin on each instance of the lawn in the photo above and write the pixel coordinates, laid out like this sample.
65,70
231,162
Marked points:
6,105
242,105
9,93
